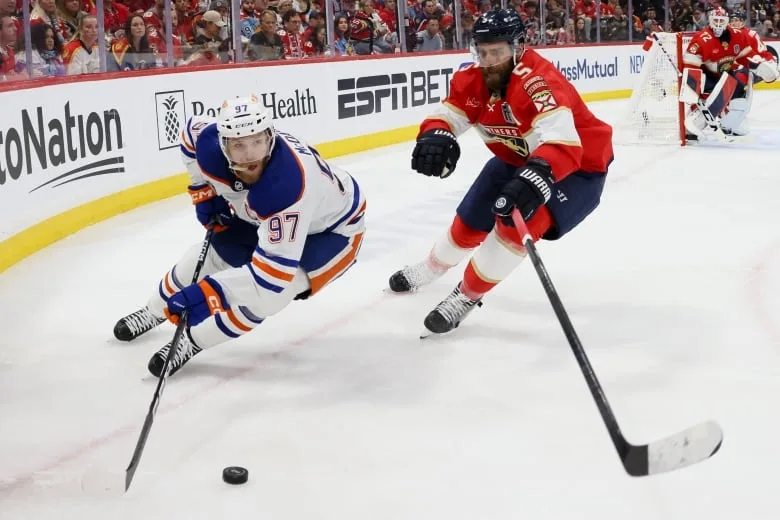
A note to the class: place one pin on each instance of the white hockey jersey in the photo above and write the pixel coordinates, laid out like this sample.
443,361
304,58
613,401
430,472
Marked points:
299,194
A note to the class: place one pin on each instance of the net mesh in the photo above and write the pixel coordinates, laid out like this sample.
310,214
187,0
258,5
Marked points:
653,112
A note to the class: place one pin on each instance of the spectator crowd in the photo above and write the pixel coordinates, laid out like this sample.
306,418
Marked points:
64,35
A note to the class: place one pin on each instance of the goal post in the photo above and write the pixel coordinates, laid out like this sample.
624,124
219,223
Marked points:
655,115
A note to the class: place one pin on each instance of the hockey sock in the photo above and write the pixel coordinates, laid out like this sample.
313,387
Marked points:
500,254
454,245
223,326
168,286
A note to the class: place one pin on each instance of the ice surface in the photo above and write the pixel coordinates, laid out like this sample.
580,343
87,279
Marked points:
340,412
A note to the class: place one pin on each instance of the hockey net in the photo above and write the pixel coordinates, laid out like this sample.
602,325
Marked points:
655,114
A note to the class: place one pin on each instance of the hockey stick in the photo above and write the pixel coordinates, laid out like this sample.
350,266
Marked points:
712,121
687,447
139,447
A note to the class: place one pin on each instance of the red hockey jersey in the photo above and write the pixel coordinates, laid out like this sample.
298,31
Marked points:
541,116
729,52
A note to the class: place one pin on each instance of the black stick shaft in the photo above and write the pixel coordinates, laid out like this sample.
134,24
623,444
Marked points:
607,415
147,427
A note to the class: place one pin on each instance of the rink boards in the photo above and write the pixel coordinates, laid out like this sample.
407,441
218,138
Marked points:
77,151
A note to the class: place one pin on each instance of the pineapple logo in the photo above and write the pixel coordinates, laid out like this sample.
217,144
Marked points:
170,118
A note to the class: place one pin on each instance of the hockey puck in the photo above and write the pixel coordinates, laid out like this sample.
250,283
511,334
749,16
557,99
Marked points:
235,475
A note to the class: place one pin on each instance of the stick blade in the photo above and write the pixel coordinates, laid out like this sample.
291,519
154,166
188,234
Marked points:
129,474
682,449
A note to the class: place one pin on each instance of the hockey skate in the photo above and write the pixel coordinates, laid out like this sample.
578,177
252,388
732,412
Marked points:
186,351
412,277
449,313
135,324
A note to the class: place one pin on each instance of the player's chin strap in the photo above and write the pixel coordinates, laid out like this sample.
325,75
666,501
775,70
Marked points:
519,48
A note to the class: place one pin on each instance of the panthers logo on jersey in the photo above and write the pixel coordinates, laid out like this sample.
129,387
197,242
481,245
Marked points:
509,136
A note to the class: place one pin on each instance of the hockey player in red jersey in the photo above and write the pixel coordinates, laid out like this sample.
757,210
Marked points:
551,159
719,65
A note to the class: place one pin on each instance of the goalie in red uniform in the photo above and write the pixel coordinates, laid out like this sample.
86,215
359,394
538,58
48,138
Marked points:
719,68
551,159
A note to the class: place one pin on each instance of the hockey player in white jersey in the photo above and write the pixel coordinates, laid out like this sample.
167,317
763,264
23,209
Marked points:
287,225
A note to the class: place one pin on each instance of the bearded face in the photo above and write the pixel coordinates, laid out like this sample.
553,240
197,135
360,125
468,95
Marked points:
495,62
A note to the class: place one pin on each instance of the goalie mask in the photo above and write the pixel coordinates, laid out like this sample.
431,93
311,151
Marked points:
719,20
246,135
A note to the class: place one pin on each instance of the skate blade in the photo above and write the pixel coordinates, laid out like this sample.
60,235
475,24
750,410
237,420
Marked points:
427,334
388,290
431,336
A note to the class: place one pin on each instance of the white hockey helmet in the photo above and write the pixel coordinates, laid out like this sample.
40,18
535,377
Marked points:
239,119
719,20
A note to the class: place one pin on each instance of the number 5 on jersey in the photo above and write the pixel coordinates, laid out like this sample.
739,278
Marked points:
283,226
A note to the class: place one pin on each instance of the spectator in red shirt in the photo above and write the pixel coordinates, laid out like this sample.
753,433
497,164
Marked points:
138,6
154,17
471,7
115,16
184,17
317,44
7,58
155,31
608,9
363,31
291,36
132,52
585,9
389,14
316,19
10,8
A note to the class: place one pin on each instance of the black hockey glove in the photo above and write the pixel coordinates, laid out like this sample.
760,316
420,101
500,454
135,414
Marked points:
530,188
436,153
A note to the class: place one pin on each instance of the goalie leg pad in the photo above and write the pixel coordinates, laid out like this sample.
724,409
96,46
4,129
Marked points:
734,120
696,123
692,86
722,93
